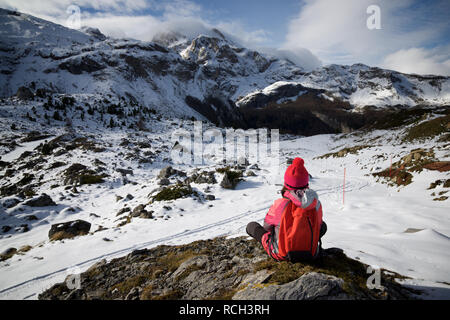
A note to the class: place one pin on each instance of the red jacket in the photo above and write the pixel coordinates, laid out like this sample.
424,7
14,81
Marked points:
276,240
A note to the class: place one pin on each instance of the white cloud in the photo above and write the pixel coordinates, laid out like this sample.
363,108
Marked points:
420,61
336,31
119,18
125,18
300,56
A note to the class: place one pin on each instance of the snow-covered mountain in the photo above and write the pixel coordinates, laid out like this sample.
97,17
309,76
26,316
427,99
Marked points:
204,76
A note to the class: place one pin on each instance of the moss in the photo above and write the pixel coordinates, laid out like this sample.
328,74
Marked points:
399,176
344,152
233,177
124,287
447,183
29,193
223,294
173,192
146,293
8,254
171,295
351,271
428,129
232,174
188,271
172,260
61,235
126,221
25,248
435,184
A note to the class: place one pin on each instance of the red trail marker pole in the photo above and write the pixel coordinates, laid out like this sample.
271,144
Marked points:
343,190
390,168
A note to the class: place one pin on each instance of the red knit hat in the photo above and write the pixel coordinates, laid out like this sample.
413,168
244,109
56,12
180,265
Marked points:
296,176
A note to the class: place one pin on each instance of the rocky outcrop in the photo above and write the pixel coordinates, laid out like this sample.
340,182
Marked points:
223,268
68,230
43,200
311,286
24,93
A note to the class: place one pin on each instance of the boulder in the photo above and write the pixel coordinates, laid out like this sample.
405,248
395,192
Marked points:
164,182
169,171
140,212
8,253
43,200
24,93
231,179
311,286
68,230
10,202
124,172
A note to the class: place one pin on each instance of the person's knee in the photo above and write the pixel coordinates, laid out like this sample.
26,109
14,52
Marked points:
323,228
251,227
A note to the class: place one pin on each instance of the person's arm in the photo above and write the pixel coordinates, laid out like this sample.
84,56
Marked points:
273,217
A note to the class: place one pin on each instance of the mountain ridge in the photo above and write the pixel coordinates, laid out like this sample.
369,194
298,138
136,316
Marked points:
208,77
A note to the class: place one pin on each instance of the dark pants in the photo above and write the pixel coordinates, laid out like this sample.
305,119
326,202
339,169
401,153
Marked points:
256,231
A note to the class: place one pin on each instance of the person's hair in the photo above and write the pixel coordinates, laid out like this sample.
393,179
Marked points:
284,189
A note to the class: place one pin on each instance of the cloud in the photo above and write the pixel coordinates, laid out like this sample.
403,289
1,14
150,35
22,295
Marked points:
420,60
300,56
144,19
337,32
130,18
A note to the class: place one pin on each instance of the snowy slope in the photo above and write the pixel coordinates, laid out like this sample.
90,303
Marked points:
369,224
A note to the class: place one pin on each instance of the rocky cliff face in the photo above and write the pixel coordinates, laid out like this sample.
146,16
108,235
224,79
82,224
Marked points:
226,269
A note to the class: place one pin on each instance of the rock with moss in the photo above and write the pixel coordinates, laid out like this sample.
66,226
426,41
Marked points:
80,174
43,200
68,230
230,177
7,254
202,177
168,172
310,286
223,268
173,192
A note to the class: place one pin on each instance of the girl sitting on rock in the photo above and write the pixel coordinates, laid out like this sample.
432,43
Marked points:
293,227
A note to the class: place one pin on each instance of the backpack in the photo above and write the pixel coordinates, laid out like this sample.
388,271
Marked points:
299,230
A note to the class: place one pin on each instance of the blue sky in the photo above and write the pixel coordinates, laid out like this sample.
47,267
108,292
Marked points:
413,38
271,16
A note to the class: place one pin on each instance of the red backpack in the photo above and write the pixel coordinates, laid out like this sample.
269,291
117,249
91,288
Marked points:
299,230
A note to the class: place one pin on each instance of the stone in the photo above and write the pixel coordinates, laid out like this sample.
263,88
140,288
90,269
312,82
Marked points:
124,172
24,93
8,253
198,261
122,211
210,197
68,230
250,173
138,210
166,172
146,214
164,182
41,201
10,202
310,286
